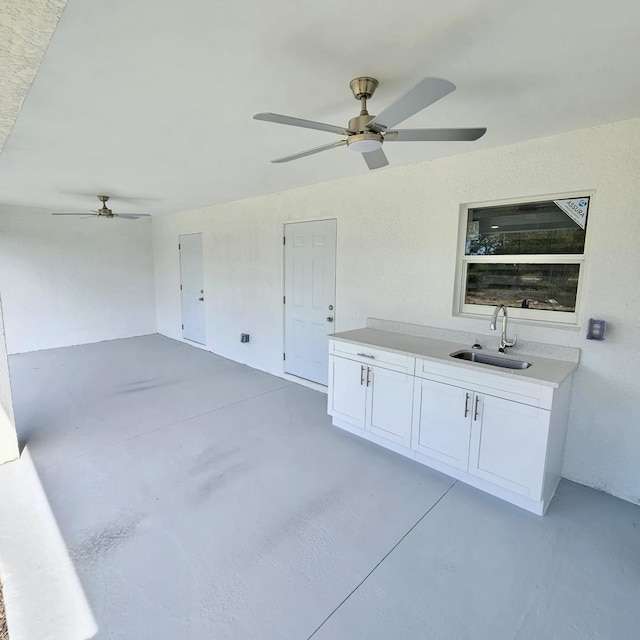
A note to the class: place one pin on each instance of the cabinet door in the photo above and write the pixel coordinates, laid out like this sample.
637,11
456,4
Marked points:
389,404
347,390
508,444
442,422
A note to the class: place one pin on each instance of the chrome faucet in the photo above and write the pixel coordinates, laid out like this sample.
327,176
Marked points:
504,343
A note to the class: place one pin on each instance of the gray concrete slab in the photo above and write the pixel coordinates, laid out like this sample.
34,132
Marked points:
478,569
79,399
202,499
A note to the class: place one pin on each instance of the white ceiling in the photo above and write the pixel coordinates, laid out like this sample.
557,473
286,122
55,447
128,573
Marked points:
151,101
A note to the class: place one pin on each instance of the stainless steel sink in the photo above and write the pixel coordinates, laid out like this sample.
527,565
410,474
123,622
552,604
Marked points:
489,358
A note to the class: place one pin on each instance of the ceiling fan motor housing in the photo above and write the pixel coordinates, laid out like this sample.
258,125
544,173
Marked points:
359,123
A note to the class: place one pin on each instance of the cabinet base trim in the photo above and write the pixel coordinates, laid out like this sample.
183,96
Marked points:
533,506
372,437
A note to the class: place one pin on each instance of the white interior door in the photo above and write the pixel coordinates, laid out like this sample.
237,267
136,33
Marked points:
310,291
192,287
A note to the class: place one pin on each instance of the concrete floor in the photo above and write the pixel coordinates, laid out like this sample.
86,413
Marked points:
200,498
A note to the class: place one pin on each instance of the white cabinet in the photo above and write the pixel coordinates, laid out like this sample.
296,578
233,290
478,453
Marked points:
389,405
508,444
496,439
347,392
502,434
442,422
372,391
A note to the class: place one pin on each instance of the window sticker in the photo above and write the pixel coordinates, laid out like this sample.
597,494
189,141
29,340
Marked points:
575,208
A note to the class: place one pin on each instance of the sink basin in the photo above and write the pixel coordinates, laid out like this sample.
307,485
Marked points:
488,358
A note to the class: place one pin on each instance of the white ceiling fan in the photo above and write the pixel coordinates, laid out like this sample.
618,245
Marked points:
366,134
105,212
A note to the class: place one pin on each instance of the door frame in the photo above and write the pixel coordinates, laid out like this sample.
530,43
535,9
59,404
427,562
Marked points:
288,376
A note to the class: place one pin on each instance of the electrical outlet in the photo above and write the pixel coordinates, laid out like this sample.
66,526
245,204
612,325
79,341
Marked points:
596,329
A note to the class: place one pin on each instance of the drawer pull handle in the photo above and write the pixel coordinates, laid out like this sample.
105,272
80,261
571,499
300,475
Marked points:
361,374
475,413
466,404
366,355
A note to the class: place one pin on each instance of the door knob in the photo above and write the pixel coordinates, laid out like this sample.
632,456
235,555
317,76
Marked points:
329,318
201,299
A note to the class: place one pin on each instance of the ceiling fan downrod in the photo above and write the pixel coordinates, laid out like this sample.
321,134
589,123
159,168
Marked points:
363,88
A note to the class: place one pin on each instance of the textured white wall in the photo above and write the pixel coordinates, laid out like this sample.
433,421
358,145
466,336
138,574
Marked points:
68,280
25,31
397,234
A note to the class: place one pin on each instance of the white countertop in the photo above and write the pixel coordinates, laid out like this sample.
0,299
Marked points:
545,371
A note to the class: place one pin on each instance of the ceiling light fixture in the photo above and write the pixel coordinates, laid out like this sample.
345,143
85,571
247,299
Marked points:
364,142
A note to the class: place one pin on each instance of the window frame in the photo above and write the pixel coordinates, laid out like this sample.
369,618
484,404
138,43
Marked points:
534,316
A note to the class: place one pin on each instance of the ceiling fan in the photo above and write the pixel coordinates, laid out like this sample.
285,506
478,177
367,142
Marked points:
366,134
104,212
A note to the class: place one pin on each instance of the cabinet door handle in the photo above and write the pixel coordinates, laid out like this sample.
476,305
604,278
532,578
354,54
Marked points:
475,412
366,355
361,374
467,397
368,372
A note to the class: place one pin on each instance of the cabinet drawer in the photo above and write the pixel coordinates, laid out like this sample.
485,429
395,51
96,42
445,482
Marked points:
510,388
370,355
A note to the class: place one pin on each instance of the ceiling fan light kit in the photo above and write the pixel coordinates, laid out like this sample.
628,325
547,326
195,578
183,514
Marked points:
364,142
366,133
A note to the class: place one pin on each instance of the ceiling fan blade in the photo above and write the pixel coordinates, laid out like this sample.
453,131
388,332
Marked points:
299,122
375,159
426,92
310,152
74,214
131,216
434,135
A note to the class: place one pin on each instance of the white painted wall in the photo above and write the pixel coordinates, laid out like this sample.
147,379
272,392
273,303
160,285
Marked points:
68,280
397,234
